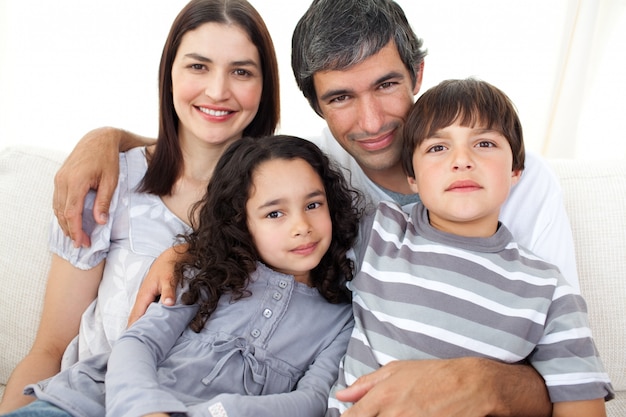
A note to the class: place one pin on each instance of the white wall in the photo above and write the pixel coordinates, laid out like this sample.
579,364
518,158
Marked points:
67,66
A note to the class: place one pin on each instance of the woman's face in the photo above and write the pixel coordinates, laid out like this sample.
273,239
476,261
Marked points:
216,84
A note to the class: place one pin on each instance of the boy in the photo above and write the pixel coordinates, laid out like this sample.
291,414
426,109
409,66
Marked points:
447,280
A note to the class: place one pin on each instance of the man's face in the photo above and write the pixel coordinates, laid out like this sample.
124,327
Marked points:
365,107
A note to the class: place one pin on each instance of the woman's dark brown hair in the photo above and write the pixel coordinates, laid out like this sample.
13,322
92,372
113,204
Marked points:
166,162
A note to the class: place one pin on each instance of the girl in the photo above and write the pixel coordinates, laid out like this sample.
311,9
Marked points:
265,316
218,81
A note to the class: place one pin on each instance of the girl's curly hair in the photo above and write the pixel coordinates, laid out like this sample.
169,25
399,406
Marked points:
221,253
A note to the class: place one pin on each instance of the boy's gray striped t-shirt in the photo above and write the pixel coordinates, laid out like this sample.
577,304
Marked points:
423,294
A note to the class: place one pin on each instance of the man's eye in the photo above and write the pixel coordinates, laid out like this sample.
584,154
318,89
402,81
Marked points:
339,99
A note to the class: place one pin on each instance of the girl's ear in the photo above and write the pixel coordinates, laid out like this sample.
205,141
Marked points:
412,184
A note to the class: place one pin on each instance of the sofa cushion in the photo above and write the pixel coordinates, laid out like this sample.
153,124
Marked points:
595,200
26,184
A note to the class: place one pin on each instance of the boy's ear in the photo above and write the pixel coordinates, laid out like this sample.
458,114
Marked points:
515,176
412,184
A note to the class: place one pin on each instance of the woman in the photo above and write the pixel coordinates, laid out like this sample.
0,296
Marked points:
218,81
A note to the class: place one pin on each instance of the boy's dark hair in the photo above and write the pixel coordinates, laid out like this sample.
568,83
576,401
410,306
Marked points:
221,252
470,101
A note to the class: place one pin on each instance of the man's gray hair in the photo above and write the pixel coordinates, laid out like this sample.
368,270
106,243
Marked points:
337,34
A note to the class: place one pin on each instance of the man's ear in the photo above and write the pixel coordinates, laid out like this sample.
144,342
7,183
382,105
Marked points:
419,76
515,176
412,184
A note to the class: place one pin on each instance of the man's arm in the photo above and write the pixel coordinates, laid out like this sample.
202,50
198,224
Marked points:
159,281
93,164
471,387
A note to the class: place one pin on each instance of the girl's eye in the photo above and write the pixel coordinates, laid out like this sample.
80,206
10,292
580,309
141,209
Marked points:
274,215
312,206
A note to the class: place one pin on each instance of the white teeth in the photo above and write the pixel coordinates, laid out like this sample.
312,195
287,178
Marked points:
215,113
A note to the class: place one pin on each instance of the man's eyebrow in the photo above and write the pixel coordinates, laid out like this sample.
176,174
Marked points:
339,92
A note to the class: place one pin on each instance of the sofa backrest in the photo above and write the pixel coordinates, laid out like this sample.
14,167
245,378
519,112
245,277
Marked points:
26,185
595,199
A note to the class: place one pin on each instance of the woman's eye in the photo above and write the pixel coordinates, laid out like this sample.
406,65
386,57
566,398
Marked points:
242,73
197,66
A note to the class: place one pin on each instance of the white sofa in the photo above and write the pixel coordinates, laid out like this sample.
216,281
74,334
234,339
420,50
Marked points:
595,198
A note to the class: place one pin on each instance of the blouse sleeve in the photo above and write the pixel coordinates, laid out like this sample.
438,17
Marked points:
88,258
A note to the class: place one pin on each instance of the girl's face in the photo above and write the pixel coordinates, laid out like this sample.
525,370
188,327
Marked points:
288,216
216,84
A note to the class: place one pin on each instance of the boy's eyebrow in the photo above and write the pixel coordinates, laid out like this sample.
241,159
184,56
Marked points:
343,91
438,133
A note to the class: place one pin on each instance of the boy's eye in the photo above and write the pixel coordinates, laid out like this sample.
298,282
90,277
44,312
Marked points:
436,148
486,144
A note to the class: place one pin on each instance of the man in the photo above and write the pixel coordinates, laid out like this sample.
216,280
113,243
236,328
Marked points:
360,65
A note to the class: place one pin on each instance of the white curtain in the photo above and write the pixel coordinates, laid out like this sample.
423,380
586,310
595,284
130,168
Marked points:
588,109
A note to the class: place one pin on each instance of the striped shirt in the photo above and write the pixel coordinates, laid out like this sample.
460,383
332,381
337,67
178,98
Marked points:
425,294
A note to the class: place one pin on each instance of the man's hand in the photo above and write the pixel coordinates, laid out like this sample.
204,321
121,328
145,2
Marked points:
93,164
160,281
465,387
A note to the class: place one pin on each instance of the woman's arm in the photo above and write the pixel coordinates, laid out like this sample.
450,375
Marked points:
68,293
465,386
93,164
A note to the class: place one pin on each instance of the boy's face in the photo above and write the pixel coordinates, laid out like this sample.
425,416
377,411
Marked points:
464,175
